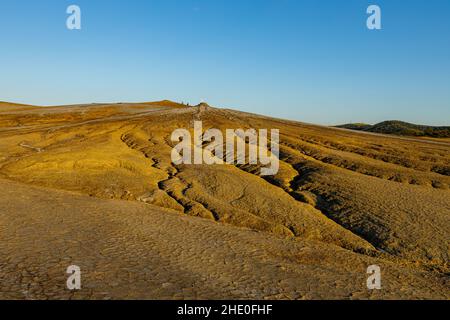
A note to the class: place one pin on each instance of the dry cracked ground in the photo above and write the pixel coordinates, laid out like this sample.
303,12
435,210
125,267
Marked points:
94,186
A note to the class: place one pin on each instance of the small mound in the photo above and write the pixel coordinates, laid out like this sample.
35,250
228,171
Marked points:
166,103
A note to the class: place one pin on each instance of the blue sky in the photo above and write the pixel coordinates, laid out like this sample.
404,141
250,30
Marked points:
308,60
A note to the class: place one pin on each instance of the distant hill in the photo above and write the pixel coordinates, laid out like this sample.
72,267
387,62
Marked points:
166,103
400,128
9,106
12,104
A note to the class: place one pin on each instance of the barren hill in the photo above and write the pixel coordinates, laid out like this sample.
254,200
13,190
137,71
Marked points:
95,184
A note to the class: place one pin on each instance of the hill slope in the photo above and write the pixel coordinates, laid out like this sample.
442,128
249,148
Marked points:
340,201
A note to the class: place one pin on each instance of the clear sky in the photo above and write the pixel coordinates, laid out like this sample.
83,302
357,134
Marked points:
308,60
